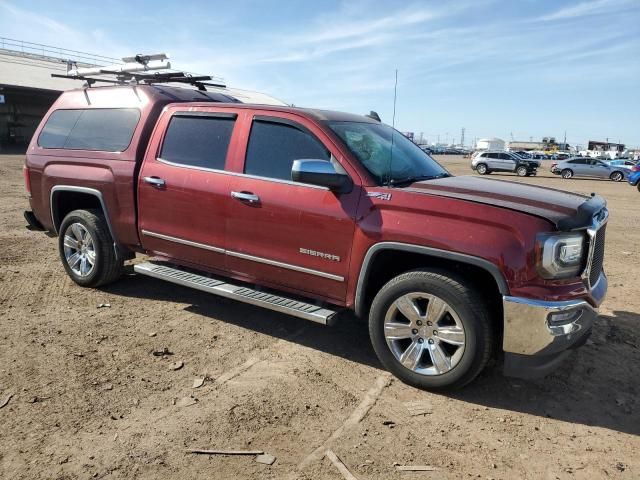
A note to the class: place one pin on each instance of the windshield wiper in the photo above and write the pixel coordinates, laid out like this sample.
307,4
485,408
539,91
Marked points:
415,178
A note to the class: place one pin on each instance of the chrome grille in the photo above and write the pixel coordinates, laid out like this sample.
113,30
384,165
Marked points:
597,259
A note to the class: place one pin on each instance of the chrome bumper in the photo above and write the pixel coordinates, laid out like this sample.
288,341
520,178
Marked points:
536,327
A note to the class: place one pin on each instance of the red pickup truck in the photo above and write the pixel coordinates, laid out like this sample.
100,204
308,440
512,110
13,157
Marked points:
312,213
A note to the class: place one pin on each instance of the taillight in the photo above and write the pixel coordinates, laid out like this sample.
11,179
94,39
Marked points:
635,168
554,164
27,180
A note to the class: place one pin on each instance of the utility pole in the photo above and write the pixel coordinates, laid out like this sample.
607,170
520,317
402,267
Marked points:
462,137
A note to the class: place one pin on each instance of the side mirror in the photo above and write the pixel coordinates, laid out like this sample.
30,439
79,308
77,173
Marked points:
322,173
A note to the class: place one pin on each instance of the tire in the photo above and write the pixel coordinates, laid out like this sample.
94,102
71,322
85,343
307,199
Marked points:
617,176
482,169
567,173
466,313
77,249
522,171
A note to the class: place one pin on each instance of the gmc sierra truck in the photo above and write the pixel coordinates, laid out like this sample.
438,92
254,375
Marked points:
312,213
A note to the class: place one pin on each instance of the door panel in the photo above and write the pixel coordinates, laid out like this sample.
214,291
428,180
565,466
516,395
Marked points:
295,235
183,193
285,233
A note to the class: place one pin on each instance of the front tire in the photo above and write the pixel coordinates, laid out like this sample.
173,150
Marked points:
482,169
616,176
522,171
86,249
431,330
567,173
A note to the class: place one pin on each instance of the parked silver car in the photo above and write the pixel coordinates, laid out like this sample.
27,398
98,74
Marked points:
590,167
501,161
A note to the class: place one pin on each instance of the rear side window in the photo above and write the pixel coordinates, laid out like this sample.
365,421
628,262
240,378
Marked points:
104,129
274,146
198,141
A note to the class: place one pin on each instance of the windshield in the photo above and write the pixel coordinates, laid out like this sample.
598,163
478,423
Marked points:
389,156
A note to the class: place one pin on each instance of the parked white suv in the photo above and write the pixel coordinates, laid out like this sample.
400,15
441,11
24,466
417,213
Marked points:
501,161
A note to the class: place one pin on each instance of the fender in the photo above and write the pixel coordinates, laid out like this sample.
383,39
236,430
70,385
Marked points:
88,191
433,252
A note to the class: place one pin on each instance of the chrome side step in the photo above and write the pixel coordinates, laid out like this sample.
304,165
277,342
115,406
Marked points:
244,294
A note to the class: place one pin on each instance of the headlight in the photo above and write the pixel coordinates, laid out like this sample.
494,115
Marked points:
561,254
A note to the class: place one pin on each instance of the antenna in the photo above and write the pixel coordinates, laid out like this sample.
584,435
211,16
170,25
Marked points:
393,123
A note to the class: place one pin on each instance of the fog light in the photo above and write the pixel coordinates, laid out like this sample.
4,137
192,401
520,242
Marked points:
564,317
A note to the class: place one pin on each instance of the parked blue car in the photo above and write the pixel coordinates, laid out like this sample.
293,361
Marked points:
634,177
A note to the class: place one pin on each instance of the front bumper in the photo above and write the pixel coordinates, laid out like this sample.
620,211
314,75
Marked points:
538,335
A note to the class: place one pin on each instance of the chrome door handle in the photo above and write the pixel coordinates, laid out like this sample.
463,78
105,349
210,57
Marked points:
155,181
246,197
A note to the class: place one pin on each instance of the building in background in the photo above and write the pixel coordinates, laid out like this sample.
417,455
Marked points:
27,89
605,149
492,143
547,144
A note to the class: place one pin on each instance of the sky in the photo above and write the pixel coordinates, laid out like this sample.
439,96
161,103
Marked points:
516,69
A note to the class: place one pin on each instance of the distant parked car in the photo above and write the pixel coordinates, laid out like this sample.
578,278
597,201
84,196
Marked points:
590,167
634,176
621,162
499,161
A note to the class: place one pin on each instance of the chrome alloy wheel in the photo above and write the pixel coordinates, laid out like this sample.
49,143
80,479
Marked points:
79,250
424,333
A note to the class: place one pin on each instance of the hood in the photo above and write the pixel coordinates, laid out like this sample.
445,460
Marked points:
567,211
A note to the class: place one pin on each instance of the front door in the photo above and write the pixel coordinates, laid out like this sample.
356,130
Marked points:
183,191
283,233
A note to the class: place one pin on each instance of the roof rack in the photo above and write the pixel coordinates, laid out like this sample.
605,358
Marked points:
135,70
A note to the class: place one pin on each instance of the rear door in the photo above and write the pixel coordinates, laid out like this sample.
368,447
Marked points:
183,189
492,160
283,233
508,162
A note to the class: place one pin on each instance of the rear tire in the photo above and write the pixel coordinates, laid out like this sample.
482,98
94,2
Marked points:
448,340
86,249
616,176
482,169
567,173
522,171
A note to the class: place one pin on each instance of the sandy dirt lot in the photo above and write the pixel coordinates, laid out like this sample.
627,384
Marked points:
90,400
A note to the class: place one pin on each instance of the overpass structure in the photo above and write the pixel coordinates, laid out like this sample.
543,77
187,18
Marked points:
27,89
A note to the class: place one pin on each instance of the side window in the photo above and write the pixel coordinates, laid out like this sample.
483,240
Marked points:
274,146
198,141
505,156
100,129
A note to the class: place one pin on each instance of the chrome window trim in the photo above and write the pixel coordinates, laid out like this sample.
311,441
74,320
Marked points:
238,174
182,241
244,256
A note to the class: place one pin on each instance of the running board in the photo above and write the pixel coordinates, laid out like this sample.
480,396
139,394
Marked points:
244,294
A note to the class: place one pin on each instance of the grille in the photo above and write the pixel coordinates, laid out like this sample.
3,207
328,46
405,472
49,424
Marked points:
598,256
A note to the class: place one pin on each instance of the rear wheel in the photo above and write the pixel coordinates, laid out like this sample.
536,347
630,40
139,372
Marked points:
616,176
86,249
482,169
522,171
567,173
431,330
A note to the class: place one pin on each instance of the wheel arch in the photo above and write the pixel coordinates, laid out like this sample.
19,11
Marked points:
66,198
378,255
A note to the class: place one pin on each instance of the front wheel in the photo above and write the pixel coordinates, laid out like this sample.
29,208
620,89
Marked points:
567,173
431,330
616,176
86,249
482,169
522,171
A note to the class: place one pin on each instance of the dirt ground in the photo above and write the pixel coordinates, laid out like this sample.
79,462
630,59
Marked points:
90,400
